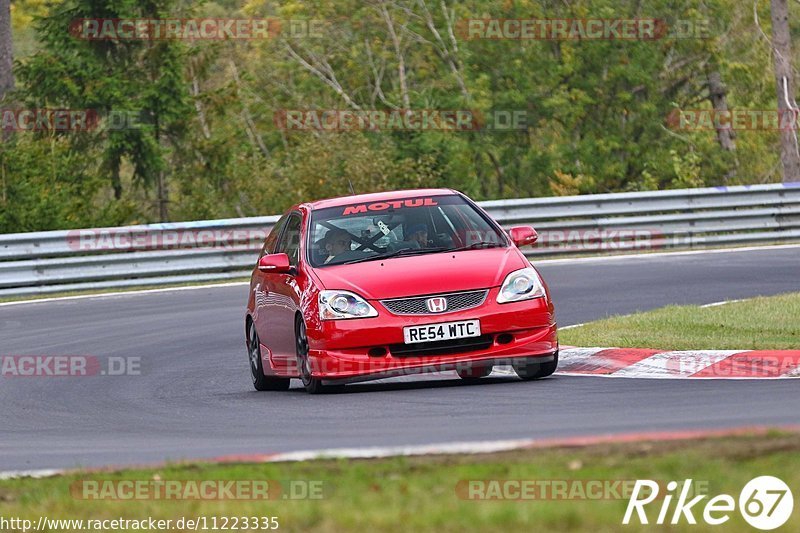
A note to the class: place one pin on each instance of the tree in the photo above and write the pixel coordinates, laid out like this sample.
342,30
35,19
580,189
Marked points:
6,50
142,80
784,80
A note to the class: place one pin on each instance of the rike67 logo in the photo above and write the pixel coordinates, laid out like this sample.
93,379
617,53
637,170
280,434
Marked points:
765,503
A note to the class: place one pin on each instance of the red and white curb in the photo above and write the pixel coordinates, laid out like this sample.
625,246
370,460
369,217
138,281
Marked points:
17,474
708,364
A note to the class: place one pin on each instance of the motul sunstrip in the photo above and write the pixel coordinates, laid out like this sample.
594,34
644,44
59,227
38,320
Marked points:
386,284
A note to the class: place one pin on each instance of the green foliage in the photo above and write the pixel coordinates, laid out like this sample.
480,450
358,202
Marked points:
45,184
595,111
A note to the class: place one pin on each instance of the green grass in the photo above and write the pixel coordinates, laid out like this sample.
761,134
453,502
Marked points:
767,323
418,494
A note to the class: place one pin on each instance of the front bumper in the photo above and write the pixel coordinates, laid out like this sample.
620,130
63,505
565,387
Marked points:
343,349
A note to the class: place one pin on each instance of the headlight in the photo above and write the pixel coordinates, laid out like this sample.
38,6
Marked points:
520,285
334,305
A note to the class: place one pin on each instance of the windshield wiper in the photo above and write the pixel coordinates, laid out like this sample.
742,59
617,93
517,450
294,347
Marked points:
420,251
396,253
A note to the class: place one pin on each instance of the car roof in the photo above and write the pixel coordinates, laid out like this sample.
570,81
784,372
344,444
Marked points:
377,197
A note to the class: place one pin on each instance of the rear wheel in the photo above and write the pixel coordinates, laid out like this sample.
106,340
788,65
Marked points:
474,373
312,384
532,367
260,381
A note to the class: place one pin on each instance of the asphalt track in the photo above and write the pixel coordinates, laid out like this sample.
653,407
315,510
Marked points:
193,398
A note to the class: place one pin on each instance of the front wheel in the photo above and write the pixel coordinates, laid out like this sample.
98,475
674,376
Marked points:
311,384
531,367
260,381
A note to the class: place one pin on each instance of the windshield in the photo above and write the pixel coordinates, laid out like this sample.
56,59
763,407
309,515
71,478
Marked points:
362,232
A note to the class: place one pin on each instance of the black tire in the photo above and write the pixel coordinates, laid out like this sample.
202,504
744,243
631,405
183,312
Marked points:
532,368
260,381
311,384
474,373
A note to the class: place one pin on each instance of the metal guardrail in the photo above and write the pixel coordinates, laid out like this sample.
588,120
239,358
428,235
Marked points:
157,254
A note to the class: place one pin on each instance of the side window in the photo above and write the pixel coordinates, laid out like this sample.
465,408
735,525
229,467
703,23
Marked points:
272,238
290,240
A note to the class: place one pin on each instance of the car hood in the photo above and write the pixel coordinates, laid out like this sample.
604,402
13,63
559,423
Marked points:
433,273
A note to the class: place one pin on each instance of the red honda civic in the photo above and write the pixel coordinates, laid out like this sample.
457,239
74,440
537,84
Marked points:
386,284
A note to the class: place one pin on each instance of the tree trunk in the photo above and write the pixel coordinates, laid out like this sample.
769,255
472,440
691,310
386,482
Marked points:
782,47
163,197
6,50
398,51
161,183
716,93
501,179
250,127
116,183
194,90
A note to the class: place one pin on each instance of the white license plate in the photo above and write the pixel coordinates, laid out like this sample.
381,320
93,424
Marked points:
442,332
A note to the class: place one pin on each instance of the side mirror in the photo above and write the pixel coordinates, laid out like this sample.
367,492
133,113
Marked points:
275,264
523,235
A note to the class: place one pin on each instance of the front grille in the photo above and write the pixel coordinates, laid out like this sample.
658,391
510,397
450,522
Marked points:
457,301
441,347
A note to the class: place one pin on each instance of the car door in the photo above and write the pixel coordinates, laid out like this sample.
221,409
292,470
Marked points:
283,298
259,291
